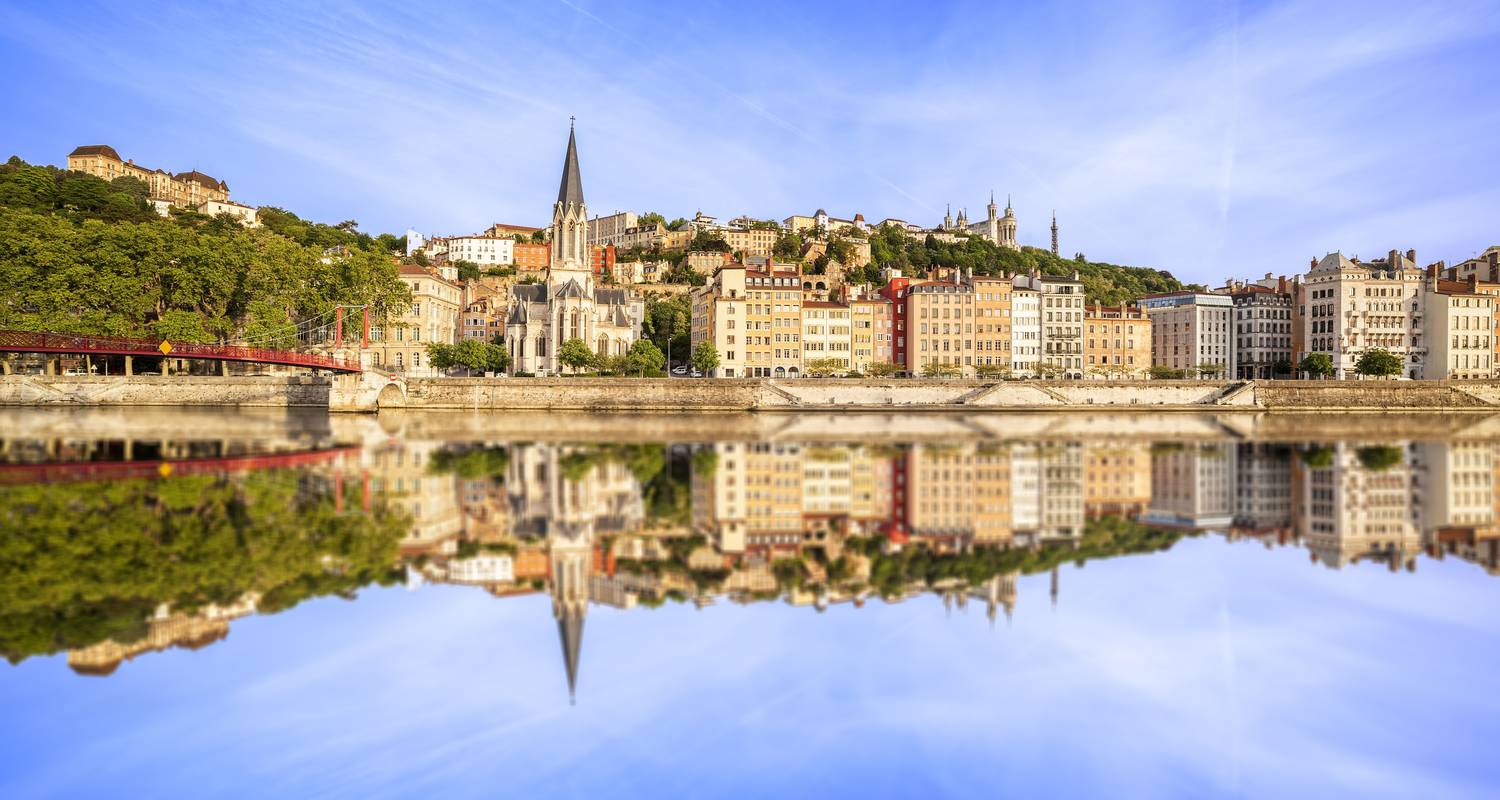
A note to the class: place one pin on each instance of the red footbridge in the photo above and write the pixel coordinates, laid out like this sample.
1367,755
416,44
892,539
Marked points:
68,344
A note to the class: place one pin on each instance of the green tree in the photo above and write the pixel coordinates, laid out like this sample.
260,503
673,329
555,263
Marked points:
882,369
705,357
1379,458
824,367
1319,365
1317,457
467,270
650,218
1209,369
575,354
645,359
1378,362
1164,373
939,370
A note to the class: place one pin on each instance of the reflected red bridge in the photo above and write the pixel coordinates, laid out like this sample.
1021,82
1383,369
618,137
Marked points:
68,344
70,472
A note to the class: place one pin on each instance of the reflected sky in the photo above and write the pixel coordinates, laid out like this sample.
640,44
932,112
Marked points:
1218,667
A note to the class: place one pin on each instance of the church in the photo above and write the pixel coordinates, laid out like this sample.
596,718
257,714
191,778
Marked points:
998,229
567,304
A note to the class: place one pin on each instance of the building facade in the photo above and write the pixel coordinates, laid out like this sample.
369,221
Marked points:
567,304
1192,331
184,189
1117,342
1351,307
1262,331
399,343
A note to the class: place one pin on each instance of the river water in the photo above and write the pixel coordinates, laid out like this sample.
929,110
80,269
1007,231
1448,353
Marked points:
200,603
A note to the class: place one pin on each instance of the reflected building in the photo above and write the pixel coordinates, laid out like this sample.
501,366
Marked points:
1116,480
1192,486
1263,492
399,472
1360,503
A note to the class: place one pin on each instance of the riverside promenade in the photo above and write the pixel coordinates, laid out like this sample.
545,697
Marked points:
370,392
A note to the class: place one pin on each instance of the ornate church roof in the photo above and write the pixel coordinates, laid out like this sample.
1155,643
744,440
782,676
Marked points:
571,189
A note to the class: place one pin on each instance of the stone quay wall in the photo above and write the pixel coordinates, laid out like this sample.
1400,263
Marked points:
165,390
370,392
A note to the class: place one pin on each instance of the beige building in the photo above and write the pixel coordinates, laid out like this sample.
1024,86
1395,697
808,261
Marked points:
750,241
1349,306
872,337
1117,342
399,343
963,325
754,318
486,251
185,189
1461,330
605,230
243,214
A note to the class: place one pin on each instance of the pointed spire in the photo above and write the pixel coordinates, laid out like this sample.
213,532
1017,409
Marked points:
570,191
570,630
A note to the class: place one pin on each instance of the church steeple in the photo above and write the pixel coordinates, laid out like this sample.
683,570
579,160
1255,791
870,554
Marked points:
570,217
570,192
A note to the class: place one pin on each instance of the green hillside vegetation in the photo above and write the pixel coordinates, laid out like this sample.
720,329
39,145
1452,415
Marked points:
1108,284
85,562
82,255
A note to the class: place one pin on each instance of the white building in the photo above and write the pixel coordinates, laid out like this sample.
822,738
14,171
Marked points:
1025,329
1190,330
1351,307
486,251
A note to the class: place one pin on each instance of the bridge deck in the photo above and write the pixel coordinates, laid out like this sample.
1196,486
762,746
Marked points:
68,344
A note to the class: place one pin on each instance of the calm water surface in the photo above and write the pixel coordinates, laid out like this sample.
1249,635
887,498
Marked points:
208,604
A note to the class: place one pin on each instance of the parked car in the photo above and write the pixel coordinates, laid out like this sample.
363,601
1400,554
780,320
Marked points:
679,370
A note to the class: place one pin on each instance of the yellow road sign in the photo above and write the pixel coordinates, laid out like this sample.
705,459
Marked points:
165,348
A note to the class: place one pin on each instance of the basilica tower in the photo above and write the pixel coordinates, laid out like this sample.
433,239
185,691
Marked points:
1008,227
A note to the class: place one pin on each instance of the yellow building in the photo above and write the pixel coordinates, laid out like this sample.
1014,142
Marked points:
750,241
400,343
962,325
185,189
755,314
1117,342
992,325
1116,479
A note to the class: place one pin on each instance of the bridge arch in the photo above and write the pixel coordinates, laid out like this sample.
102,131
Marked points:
391,396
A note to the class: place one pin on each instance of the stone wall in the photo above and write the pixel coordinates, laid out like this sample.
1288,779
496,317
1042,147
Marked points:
158,390
372,391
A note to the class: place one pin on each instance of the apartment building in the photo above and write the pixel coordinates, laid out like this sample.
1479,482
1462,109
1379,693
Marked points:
1350,306
895,291
400,343
1025,330
1060,312
750,241
1192,331
873,333
486,251
753,317
940,330
1117,341
605,230
1262,330
827,336
529,258
1461,330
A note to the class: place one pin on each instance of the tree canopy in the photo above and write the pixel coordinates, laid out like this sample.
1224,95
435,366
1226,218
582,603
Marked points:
87,257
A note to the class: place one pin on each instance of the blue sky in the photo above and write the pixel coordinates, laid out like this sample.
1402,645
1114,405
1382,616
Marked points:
1213,669
1209,138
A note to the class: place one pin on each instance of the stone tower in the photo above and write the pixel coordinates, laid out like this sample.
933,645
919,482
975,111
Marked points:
1007,230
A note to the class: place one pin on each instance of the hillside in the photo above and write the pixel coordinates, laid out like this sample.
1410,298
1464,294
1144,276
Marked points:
82,255
1109,284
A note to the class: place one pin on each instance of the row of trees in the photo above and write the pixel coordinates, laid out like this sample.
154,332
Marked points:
642,360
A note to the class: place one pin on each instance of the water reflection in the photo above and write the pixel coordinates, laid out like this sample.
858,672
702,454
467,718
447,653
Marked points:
119,546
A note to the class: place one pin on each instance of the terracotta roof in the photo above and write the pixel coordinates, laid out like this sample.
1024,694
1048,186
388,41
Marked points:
96,150
200,178
1454,287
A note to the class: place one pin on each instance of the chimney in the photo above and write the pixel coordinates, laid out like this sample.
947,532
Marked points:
1390,258
1314,264
1473,283
1411,255
1431,268
1280,284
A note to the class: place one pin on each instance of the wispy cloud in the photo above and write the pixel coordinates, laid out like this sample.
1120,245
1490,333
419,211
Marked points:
1210,138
